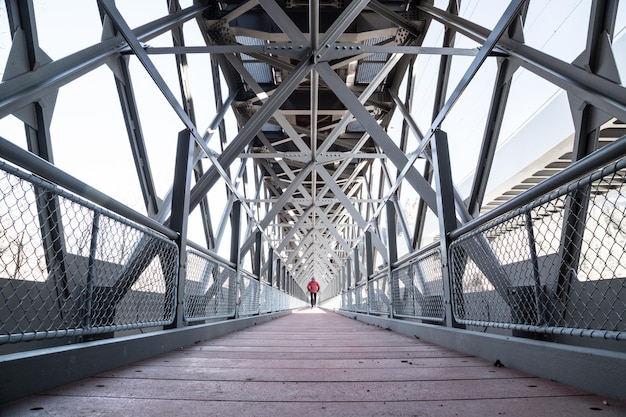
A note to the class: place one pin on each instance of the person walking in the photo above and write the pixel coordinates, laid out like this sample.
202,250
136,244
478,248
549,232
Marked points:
313,287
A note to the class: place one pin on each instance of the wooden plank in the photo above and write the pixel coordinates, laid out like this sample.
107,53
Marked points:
263,374
314,363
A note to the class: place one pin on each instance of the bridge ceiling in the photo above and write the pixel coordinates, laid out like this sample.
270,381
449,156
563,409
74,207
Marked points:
327,91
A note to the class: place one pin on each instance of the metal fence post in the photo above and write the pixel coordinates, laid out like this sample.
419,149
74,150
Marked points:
235,221
445,213
392,253
178,222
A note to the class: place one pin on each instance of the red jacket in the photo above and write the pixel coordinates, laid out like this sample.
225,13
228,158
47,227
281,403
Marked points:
313,286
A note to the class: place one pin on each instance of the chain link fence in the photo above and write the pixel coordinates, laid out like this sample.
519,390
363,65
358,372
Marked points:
268,298
70,268
356,299
248,291
415,290
557,265
379,294
418,290
210,288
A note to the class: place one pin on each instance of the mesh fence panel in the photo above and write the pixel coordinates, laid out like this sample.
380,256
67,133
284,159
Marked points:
209,288
68,267
538,270
347,300
379,294
266,298
419,289
360,298
248,295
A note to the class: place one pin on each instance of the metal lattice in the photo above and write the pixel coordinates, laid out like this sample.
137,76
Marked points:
379,294
209,288
531,271
419,290
248,301
68,267
361,299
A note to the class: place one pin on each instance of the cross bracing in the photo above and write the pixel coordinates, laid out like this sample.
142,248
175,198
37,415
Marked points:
313,130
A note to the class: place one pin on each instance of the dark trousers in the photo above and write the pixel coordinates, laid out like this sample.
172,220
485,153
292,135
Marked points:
313,298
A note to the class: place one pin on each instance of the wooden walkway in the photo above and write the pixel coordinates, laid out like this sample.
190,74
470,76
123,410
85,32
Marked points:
314,363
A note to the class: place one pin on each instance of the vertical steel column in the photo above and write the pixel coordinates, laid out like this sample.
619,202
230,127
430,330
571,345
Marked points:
392,253
349,273
178,39
256,260
256,267
179,218
369,255
235,236
540,298
357,267
440,95
446,212
270,268
369,265
597,58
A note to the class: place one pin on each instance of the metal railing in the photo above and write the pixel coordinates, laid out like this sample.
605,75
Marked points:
248,293
533,270
210,288
419,289
356,299
70,268
552,260
379,293
214,290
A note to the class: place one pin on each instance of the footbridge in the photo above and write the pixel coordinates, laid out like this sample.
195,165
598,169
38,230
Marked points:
173,175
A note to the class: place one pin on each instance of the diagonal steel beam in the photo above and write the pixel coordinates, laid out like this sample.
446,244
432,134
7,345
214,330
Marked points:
282,200
249,130
395,154
363,97
262,95
283,21
28,88
595,90
332,228
503,23
347,204
294,229
339,26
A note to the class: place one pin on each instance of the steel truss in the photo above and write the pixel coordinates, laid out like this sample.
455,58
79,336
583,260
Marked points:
313,87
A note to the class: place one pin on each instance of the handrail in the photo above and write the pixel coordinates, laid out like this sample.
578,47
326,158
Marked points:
210,253
51,173
415,255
